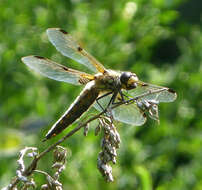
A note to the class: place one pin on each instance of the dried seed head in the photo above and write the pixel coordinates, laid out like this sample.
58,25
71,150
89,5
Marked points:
57,165
109,143
86,129
60,154
97,129
29,184
52,182
45,187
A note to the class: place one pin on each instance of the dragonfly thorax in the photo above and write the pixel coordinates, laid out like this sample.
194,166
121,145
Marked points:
110,80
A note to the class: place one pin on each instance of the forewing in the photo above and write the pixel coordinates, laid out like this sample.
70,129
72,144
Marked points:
129,114
166,95
65,44
56,71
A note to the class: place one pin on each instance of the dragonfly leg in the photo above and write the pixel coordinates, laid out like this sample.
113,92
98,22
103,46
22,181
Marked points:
122,100
97,100
111,102
108,110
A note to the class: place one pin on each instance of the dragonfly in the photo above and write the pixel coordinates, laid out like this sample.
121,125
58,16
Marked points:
104,88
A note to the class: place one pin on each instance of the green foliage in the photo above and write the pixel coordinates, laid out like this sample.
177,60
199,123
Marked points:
161,41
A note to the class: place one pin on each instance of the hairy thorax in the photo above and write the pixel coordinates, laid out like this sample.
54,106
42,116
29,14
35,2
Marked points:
110,80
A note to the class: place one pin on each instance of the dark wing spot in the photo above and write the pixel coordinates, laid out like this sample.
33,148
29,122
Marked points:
79,48
63,31
39,57
65,68
144,115
171,90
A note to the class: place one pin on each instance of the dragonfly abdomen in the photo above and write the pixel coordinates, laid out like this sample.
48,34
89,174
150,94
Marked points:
82,103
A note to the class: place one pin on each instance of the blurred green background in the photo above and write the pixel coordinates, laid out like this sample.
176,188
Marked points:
159,40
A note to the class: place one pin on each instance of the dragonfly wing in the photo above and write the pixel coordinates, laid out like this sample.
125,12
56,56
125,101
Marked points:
166,95
56,71
66,45
129,114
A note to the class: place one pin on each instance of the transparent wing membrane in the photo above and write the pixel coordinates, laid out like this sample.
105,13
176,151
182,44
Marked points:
134,113
66,45
167,95
56,71
129,114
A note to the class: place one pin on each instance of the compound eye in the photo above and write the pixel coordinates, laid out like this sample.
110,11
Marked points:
125,76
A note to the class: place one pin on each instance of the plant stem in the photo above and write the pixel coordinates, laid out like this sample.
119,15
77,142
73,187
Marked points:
30,169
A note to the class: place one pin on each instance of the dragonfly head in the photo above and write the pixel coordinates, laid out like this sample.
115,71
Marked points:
128,80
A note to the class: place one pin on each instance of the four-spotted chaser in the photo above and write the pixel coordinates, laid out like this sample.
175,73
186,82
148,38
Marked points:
106,87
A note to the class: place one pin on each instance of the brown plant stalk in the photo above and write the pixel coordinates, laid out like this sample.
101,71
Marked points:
33,165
